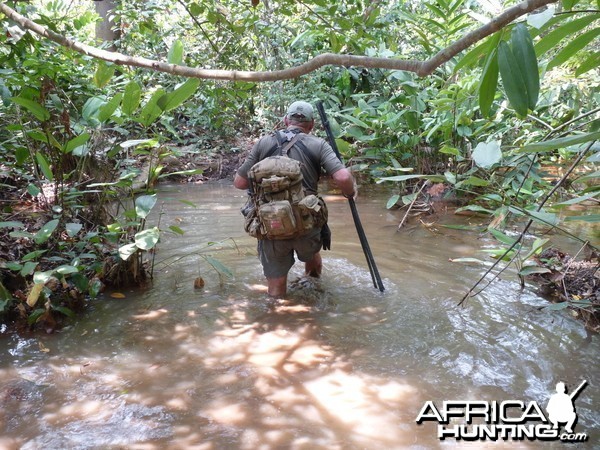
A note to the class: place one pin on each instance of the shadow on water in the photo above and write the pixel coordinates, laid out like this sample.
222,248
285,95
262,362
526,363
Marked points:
334,365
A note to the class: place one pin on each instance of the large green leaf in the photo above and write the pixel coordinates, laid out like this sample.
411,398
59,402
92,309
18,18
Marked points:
147,239
486,154
522,47
488,84
479,51
131,98
45,232
91,108
77,141
559,34
592,62
125,251
144,204
40,112
107,110
176,52
573,47
173,99
592,218
151,111
513,82
564,142
103,74
219,266
44,166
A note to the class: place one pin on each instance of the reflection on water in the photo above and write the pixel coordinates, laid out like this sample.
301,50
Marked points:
335,365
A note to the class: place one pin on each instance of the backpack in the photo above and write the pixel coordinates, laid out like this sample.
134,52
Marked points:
278,207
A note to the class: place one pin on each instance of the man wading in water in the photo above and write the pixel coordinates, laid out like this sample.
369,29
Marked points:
276,251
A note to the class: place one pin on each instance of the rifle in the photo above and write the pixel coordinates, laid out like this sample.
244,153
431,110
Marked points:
575,393
359,228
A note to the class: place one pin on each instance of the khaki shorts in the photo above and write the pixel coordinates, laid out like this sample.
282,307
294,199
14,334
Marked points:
277,257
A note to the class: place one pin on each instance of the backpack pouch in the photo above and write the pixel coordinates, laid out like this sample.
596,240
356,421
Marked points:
277,219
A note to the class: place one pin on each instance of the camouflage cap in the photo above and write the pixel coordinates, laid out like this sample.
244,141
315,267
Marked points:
300,111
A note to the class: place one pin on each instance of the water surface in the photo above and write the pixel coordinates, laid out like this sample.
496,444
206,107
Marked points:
335,365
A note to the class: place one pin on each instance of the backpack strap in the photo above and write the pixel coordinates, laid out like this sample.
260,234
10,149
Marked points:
286,149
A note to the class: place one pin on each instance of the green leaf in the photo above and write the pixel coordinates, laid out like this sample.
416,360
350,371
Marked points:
529,270
436,178
481,50
392,201
467,260
557,306
33,255
474,181
592,218
182,172
103,74
77,141
28,268
66,269
559,34
39,112
540,19
488,84
144,204
147,239
592,62
64,310
12,224
73,228
542,217
522,47
573,47
44,166
355,121
45,232
505,239
151,111
42,277
512,79
173,99
486,154
176,229
127,250
107,110
218,266
546,146
176,52
536,248
5,296
91,108
131,98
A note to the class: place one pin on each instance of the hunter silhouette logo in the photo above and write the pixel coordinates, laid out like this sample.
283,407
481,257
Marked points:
507,420
560,407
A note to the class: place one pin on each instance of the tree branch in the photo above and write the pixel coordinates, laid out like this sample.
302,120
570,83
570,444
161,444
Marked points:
421,68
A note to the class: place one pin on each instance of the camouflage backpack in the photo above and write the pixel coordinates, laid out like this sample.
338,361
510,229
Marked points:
278,207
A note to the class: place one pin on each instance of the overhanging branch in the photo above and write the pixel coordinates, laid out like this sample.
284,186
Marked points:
421,68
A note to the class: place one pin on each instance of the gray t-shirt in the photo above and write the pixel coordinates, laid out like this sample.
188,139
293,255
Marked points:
313,152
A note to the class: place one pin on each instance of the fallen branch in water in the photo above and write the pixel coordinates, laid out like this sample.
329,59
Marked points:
412,204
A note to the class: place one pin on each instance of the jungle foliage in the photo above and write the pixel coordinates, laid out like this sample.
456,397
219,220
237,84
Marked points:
73,129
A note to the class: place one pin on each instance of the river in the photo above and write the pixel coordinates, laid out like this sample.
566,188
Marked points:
334,365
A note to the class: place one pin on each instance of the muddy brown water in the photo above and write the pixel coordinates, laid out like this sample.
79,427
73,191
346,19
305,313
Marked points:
336,365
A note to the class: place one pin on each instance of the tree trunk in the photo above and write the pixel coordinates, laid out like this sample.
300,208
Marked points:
107,30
